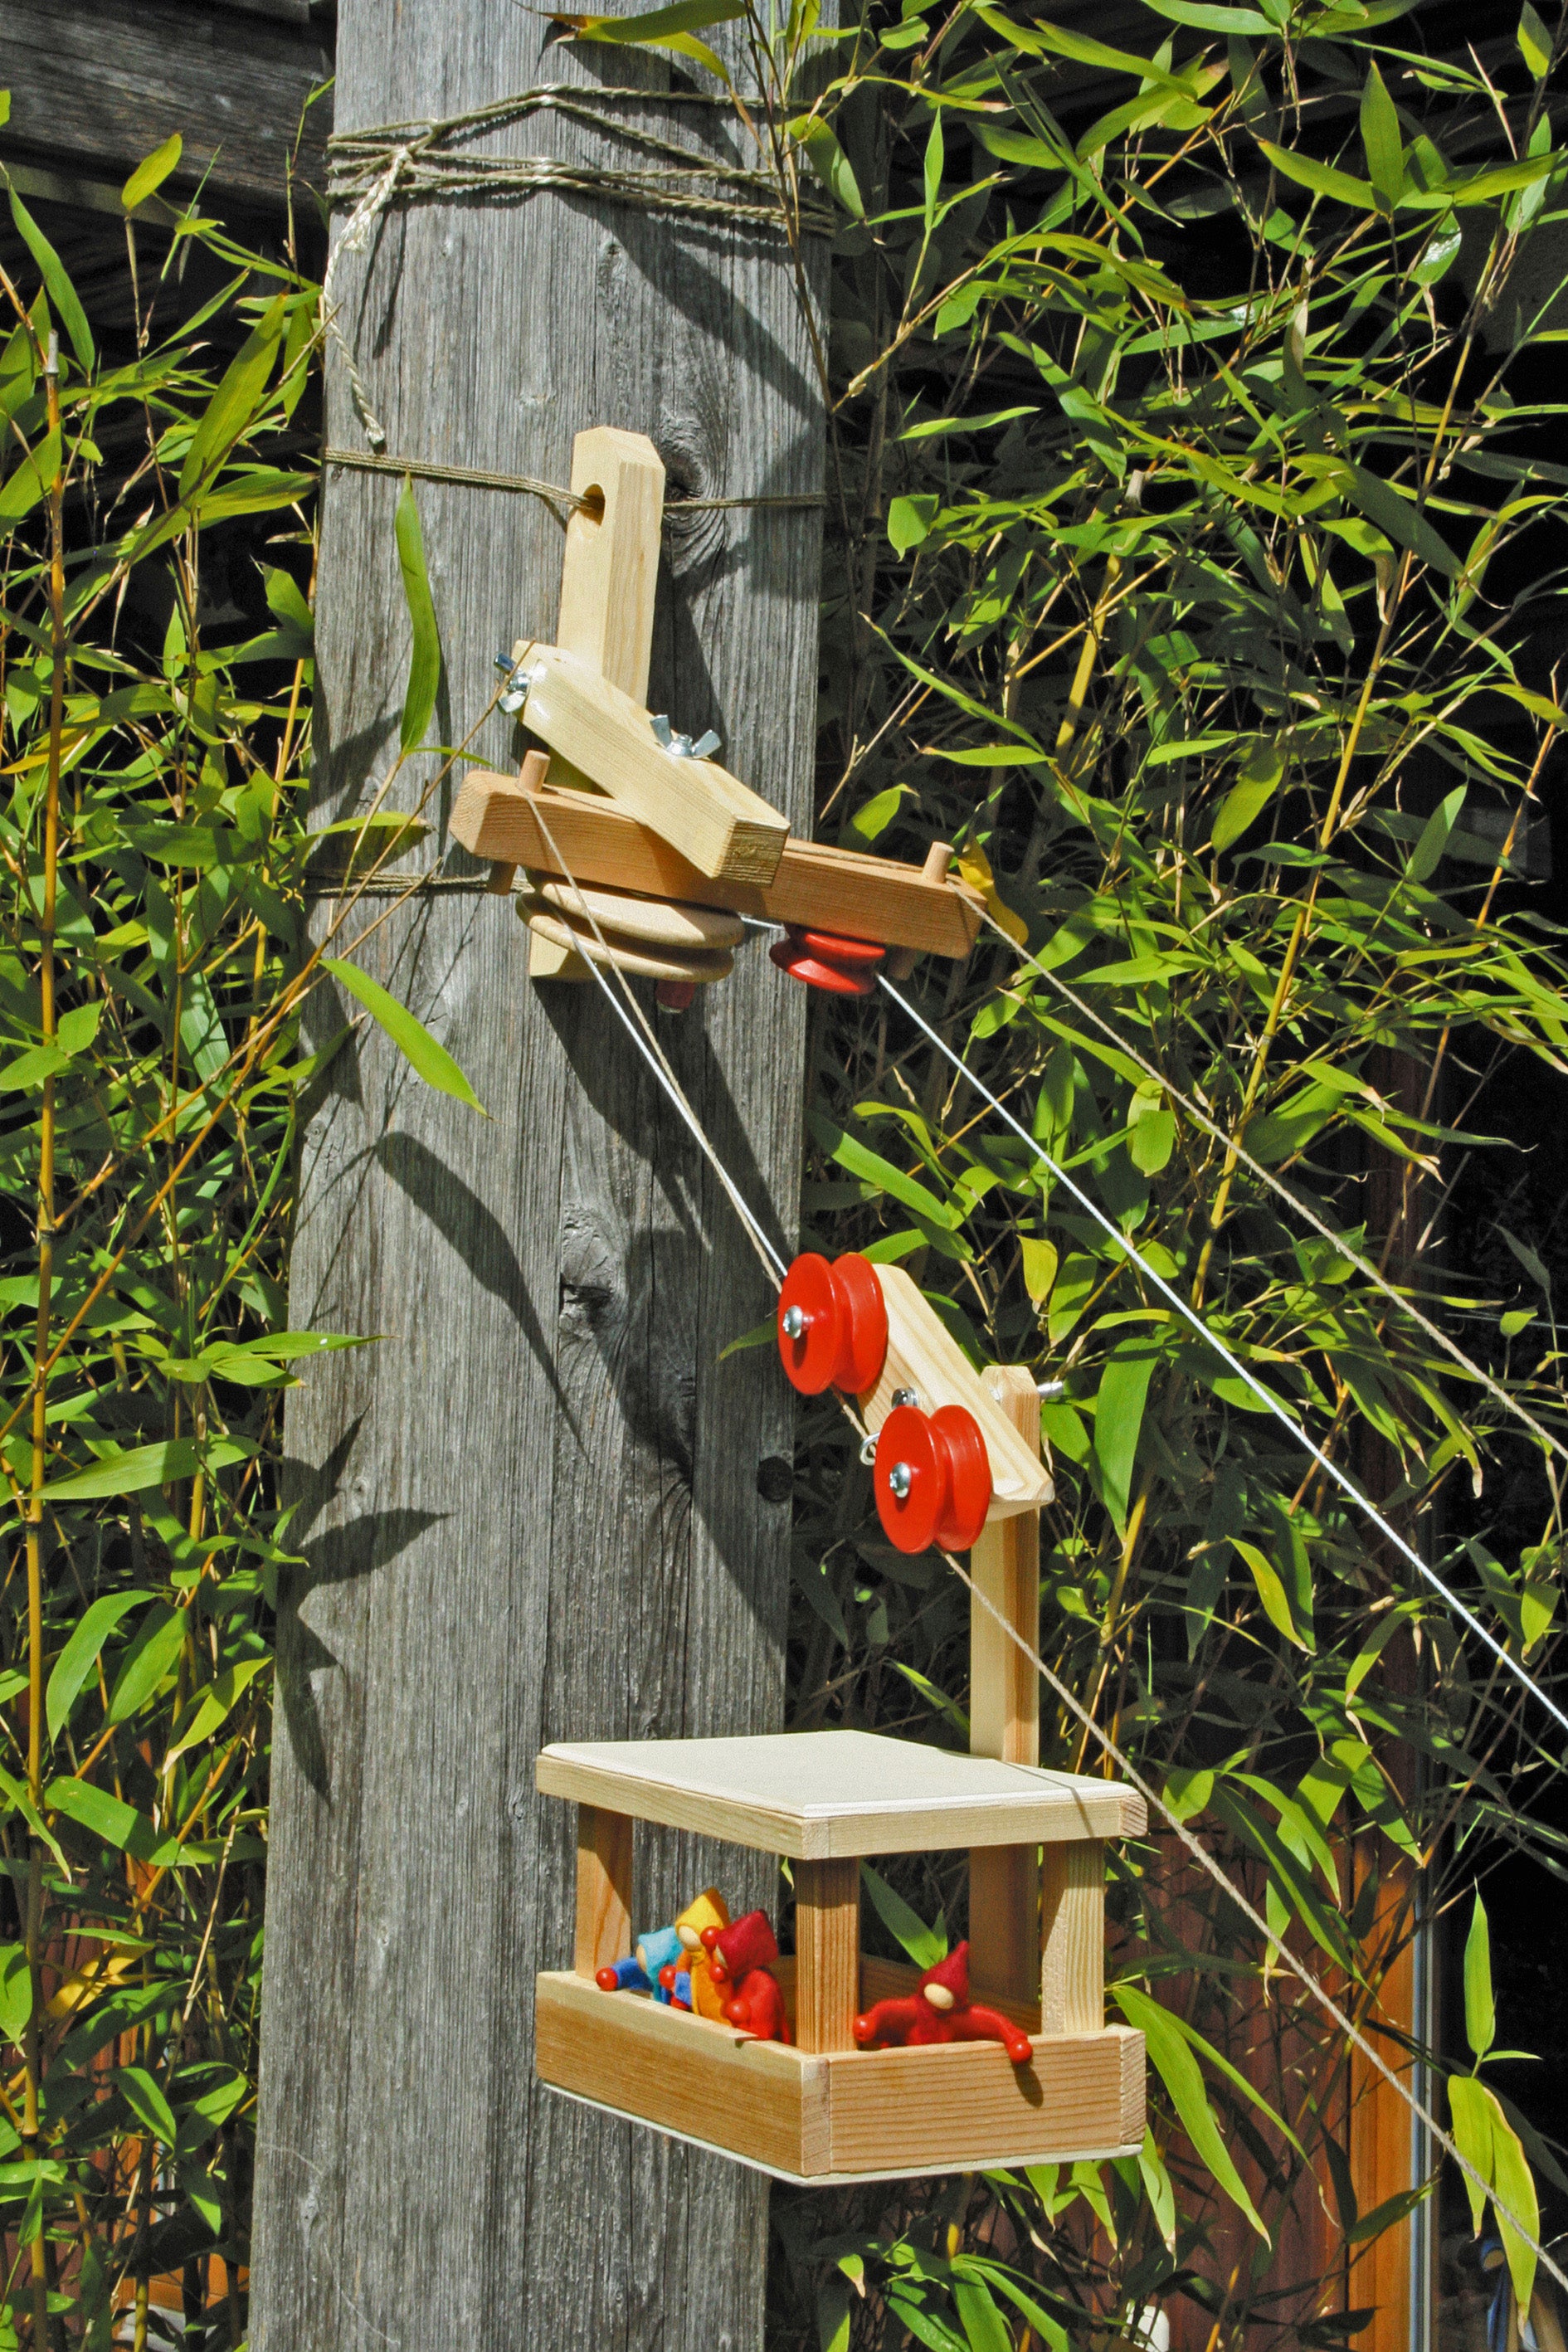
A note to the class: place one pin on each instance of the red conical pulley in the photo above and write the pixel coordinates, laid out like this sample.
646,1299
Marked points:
857,954
829,977
969,1469
912,1479
832,1325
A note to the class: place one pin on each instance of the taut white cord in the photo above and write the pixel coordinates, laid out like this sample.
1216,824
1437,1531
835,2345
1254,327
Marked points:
1265,1396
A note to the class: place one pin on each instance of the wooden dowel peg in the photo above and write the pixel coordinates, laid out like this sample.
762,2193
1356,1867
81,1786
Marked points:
938,858
827,1953
604,1889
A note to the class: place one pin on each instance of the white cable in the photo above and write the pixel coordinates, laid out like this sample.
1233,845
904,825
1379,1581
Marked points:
658,1064
1265,1395
653,1054
1303,1209
1201,1854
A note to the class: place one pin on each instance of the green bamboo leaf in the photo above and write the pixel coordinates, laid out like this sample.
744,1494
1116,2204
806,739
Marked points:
1322,178
1515,2194
147,2103
925,1946
910,521
1481,2010
829,161
1399,517
659,28
430,1061
1039,1267
424,660
80,1654
215,1704
149,176
1534,42
1271,1593
110,1820
29,481
984,2329
151,1655
62,294
232,410
1178,2070
1380,139
1210,17
15,1991
1427,854
131,1470
1119,1420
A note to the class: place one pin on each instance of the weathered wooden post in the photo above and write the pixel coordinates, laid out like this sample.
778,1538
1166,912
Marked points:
537,1504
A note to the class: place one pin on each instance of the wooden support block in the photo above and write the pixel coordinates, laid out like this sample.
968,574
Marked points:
727,831
922,1356
604,1889
822,888
1004,1687
827,1953
1072,1919
611,565
1004,1713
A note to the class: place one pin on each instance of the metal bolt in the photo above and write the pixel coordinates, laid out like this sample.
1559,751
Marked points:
1048,1389
794,1322
682,747
901,1479
906,1396
867,1452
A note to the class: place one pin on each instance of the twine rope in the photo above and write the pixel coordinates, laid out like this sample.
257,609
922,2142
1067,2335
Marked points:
476,477
407,162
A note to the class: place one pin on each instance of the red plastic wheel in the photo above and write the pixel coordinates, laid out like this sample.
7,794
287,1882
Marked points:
832,1325
969,1469
828,977
810,1325
912,1479
855,953
863,1346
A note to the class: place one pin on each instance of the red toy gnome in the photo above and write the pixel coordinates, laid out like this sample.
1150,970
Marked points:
738,1961
940,2010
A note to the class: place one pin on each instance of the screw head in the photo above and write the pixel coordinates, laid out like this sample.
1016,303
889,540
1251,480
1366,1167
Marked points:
794,1322
906,1396
901,1479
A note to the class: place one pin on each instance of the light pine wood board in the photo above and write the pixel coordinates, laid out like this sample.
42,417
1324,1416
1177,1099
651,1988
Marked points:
922,1355
604,1890
858,2115
726,830
827,890
815,1795
555,1283
827,1953
610,569
1072,1919
1004,1711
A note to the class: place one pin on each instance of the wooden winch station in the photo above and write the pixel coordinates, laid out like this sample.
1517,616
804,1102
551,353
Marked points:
639,852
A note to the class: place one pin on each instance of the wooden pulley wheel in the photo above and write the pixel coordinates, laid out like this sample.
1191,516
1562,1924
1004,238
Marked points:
624,954
656,922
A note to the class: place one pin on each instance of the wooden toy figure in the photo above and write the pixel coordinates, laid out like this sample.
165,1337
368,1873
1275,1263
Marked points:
940,2010
643,1970
738,1961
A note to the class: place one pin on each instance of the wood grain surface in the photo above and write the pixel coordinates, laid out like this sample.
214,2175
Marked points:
1004,1713
530,1510
96,85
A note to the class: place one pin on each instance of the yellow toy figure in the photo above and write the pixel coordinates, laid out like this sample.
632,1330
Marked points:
710,1910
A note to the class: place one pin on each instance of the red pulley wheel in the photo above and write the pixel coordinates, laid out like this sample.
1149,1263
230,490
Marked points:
863,1343
912,1480
816,974
969,1469
832,1325
863,953
810,1321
